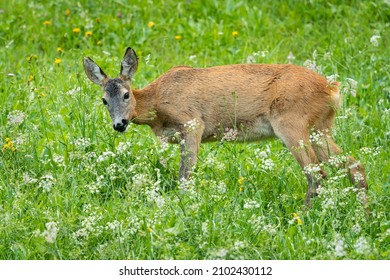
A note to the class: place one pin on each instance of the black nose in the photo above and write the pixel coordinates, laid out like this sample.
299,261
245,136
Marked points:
121,126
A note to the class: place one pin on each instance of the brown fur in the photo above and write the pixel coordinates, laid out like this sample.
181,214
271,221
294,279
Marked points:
258,101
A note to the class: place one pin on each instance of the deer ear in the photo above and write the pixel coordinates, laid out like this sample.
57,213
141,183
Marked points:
93,71
129,64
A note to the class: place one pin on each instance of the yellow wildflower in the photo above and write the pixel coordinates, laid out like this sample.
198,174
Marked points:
241,180
235,33
150,24
30,78
178,37
99,43
57,61
88,34
296,217
8,145
59,50
76,30
150,229
67,12
31,57
47,22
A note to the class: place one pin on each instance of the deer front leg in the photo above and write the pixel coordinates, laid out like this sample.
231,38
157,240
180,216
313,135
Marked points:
189,147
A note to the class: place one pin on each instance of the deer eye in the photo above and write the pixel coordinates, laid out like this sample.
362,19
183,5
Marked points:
126,96
104,101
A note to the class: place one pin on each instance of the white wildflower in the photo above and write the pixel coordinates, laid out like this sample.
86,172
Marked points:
105,156
59,160
134,225
230,134
374,40
337,160
82,142
73,91
28,180
356,228
251,204
350,87
240,245
141,180
46,182
192,125
262,154
328,203
212,162
219,253
311,65
332,78
50,233
290,58
316,137
192,57
221,188
362,246
358,177
312,169
114,225
339,246
268,164
16,117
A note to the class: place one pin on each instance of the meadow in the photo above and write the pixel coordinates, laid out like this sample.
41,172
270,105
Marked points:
73,188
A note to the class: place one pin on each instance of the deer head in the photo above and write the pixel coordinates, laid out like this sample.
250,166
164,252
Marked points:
117,95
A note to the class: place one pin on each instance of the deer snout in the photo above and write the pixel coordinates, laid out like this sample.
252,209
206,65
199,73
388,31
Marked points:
121,126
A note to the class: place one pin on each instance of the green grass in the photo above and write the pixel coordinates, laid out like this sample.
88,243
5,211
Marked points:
72,188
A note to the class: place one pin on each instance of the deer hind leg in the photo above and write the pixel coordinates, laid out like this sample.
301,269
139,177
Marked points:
328,148
299,145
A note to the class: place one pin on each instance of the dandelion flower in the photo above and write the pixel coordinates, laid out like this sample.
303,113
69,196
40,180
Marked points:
296,217
235,34
151,24
47,22
67,12
88,34
57,61
30,78
9,145
59,50
76,30
178,37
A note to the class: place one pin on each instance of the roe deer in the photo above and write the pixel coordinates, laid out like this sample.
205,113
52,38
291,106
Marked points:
190,105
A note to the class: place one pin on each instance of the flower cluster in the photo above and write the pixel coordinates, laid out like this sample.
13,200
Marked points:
9,145
267,164
15,117
50,233
46,182
230,134
192,125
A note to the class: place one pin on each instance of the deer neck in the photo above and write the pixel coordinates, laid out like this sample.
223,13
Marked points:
144,111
